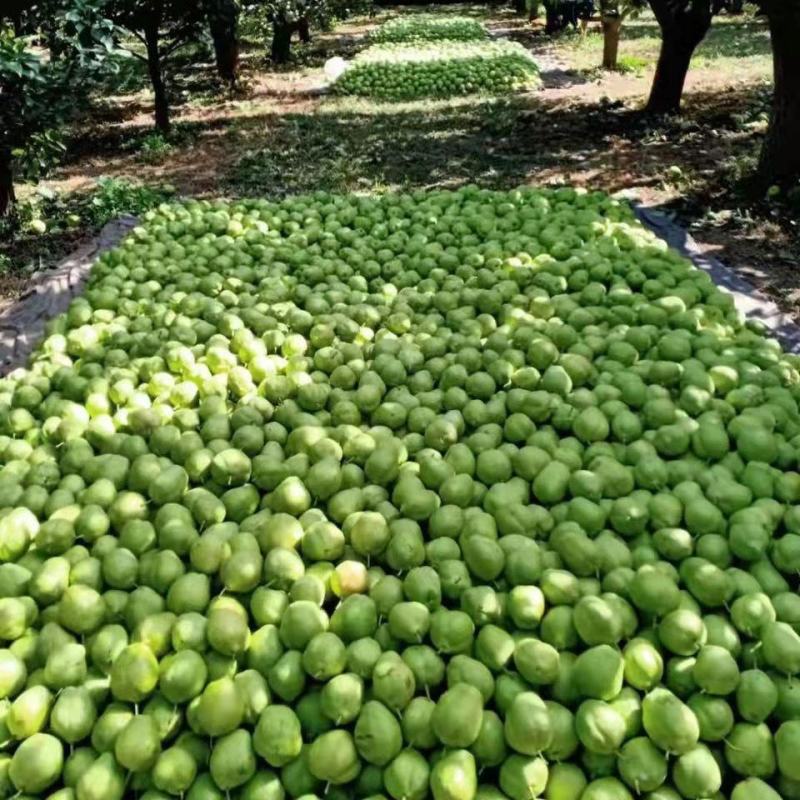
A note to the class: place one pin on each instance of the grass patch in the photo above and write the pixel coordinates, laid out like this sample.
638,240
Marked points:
635,64
357,145
155,147
736,45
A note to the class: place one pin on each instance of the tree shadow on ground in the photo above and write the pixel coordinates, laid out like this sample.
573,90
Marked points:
348,145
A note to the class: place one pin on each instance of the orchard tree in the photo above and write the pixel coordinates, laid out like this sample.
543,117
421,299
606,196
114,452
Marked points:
25,83
38,94
780,155
276,20
284,18
553,18
684,24
163,27
613,14
223,17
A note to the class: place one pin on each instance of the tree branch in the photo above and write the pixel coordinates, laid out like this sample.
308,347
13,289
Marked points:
178,38
138,36
173,48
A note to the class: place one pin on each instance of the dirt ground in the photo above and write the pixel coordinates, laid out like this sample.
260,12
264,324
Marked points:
282,133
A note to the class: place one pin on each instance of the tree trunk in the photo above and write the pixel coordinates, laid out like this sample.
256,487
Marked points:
54,46
780,154
157,78
681,32
611,30
670,77
7,196
533,10
553,18
16,21
222,19
281,40
304,30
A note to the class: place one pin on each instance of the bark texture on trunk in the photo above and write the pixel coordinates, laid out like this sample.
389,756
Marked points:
157,78
281,41
780,154
552,17
683,27
7,196
54,46
304,30
222,20
611,30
